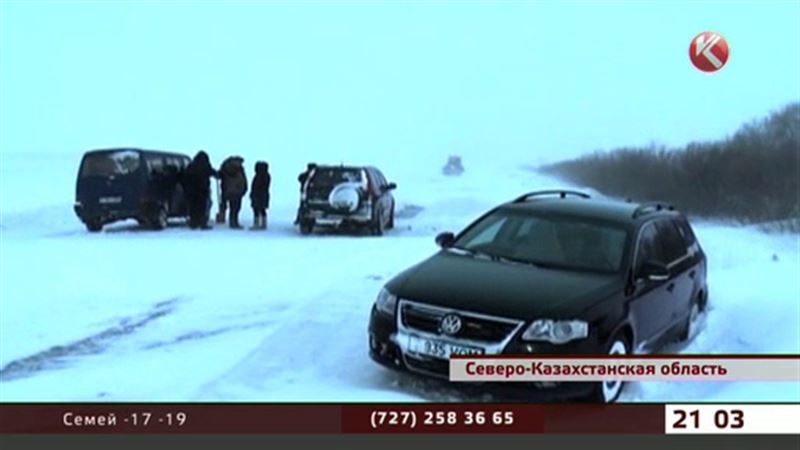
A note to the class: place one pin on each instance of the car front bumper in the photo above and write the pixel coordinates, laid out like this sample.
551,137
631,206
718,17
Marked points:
385,349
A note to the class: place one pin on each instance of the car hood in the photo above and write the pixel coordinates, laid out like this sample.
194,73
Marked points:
505,289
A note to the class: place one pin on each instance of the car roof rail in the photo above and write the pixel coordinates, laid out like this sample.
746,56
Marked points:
561,193
651,207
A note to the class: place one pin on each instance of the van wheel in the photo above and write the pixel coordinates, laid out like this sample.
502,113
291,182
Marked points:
306,227
609,391
160,219
94,226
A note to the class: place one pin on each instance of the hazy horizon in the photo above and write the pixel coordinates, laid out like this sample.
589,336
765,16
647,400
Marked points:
536,81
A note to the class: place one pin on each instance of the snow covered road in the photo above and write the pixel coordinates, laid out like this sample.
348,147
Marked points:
238,315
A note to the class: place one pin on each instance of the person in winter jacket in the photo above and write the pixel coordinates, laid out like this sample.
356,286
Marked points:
302,178
234,186
259,195
197,190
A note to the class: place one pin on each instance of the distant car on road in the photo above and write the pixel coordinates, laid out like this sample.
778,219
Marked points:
552,272
130,183
347,196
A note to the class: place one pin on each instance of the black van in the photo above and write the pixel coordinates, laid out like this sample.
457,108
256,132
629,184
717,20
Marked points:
130,183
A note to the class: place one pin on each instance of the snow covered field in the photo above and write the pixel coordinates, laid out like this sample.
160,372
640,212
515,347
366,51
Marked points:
227,315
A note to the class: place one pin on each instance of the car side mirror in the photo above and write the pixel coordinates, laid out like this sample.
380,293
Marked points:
654,271
391,186
445,240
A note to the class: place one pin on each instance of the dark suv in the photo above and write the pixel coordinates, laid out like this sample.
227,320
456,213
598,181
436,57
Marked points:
347,196
130,183
552,272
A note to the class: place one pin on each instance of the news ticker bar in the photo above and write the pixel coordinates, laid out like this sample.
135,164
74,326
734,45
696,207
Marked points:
625,368
231,418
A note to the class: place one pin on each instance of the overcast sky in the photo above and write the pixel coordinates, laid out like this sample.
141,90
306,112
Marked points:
539,80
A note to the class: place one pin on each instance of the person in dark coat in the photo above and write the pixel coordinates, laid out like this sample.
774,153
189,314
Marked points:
259,195
197,190
234,186
302,178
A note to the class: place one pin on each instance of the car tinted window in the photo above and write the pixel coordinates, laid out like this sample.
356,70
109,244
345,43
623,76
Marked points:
329,176
649,247
685,231
489,230
673,246
561,242
105,164
375,180
381,179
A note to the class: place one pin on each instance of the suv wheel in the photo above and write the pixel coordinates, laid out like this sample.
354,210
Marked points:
390,225
306,227
94,226
377,224
609,391
160,218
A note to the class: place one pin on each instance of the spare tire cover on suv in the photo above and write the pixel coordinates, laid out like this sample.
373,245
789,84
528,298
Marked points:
345,196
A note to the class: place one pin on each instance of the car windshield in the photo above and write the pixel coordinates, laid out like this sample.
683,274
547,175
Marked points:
562,242
106,164
328,176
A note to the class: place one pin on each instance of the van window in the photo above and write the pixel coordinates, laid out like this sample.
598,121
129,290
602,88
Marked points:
155,164
106,164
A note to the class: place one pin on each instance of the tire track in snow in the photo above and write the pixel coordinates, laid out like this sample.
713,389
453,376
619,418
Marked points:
57,356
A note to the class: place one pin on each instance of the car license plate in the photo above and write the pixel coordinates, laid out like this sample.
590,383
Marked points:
440,349
108,200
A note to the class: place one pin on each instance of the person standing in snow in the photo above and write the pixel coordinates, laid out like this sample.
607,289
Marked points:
259,195
197,189
302,178
234,186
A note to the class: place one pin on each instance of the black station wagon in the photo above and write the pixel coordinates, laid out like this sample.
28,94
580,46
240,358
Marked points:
130,183
552,272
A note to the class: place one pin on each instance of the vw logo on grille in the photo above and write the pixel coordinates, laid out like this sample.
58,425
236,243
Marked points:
450,324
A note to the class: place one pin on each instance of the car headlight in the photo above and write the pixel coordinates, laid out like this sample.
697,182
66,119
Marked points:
556,331
386,302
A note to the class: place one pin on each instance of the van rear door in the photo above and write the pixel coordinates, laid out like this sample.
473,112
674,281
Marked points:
111,180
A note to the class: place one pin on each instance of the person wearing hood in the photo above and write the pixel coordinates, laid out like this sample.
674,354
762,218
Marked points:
259,195
302,179
234,186
197,189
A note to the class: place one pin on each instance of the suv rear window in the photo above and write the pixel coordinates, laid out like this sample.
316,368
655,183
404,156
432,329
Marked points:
329,176
105,164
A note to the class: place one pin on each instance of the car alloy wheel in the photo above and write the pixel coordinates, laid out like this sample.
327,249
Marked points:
610,390
692,326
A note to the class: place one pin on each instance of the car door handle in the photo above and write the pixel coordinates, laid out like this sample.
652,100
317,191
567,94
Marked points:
671,287
692,273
